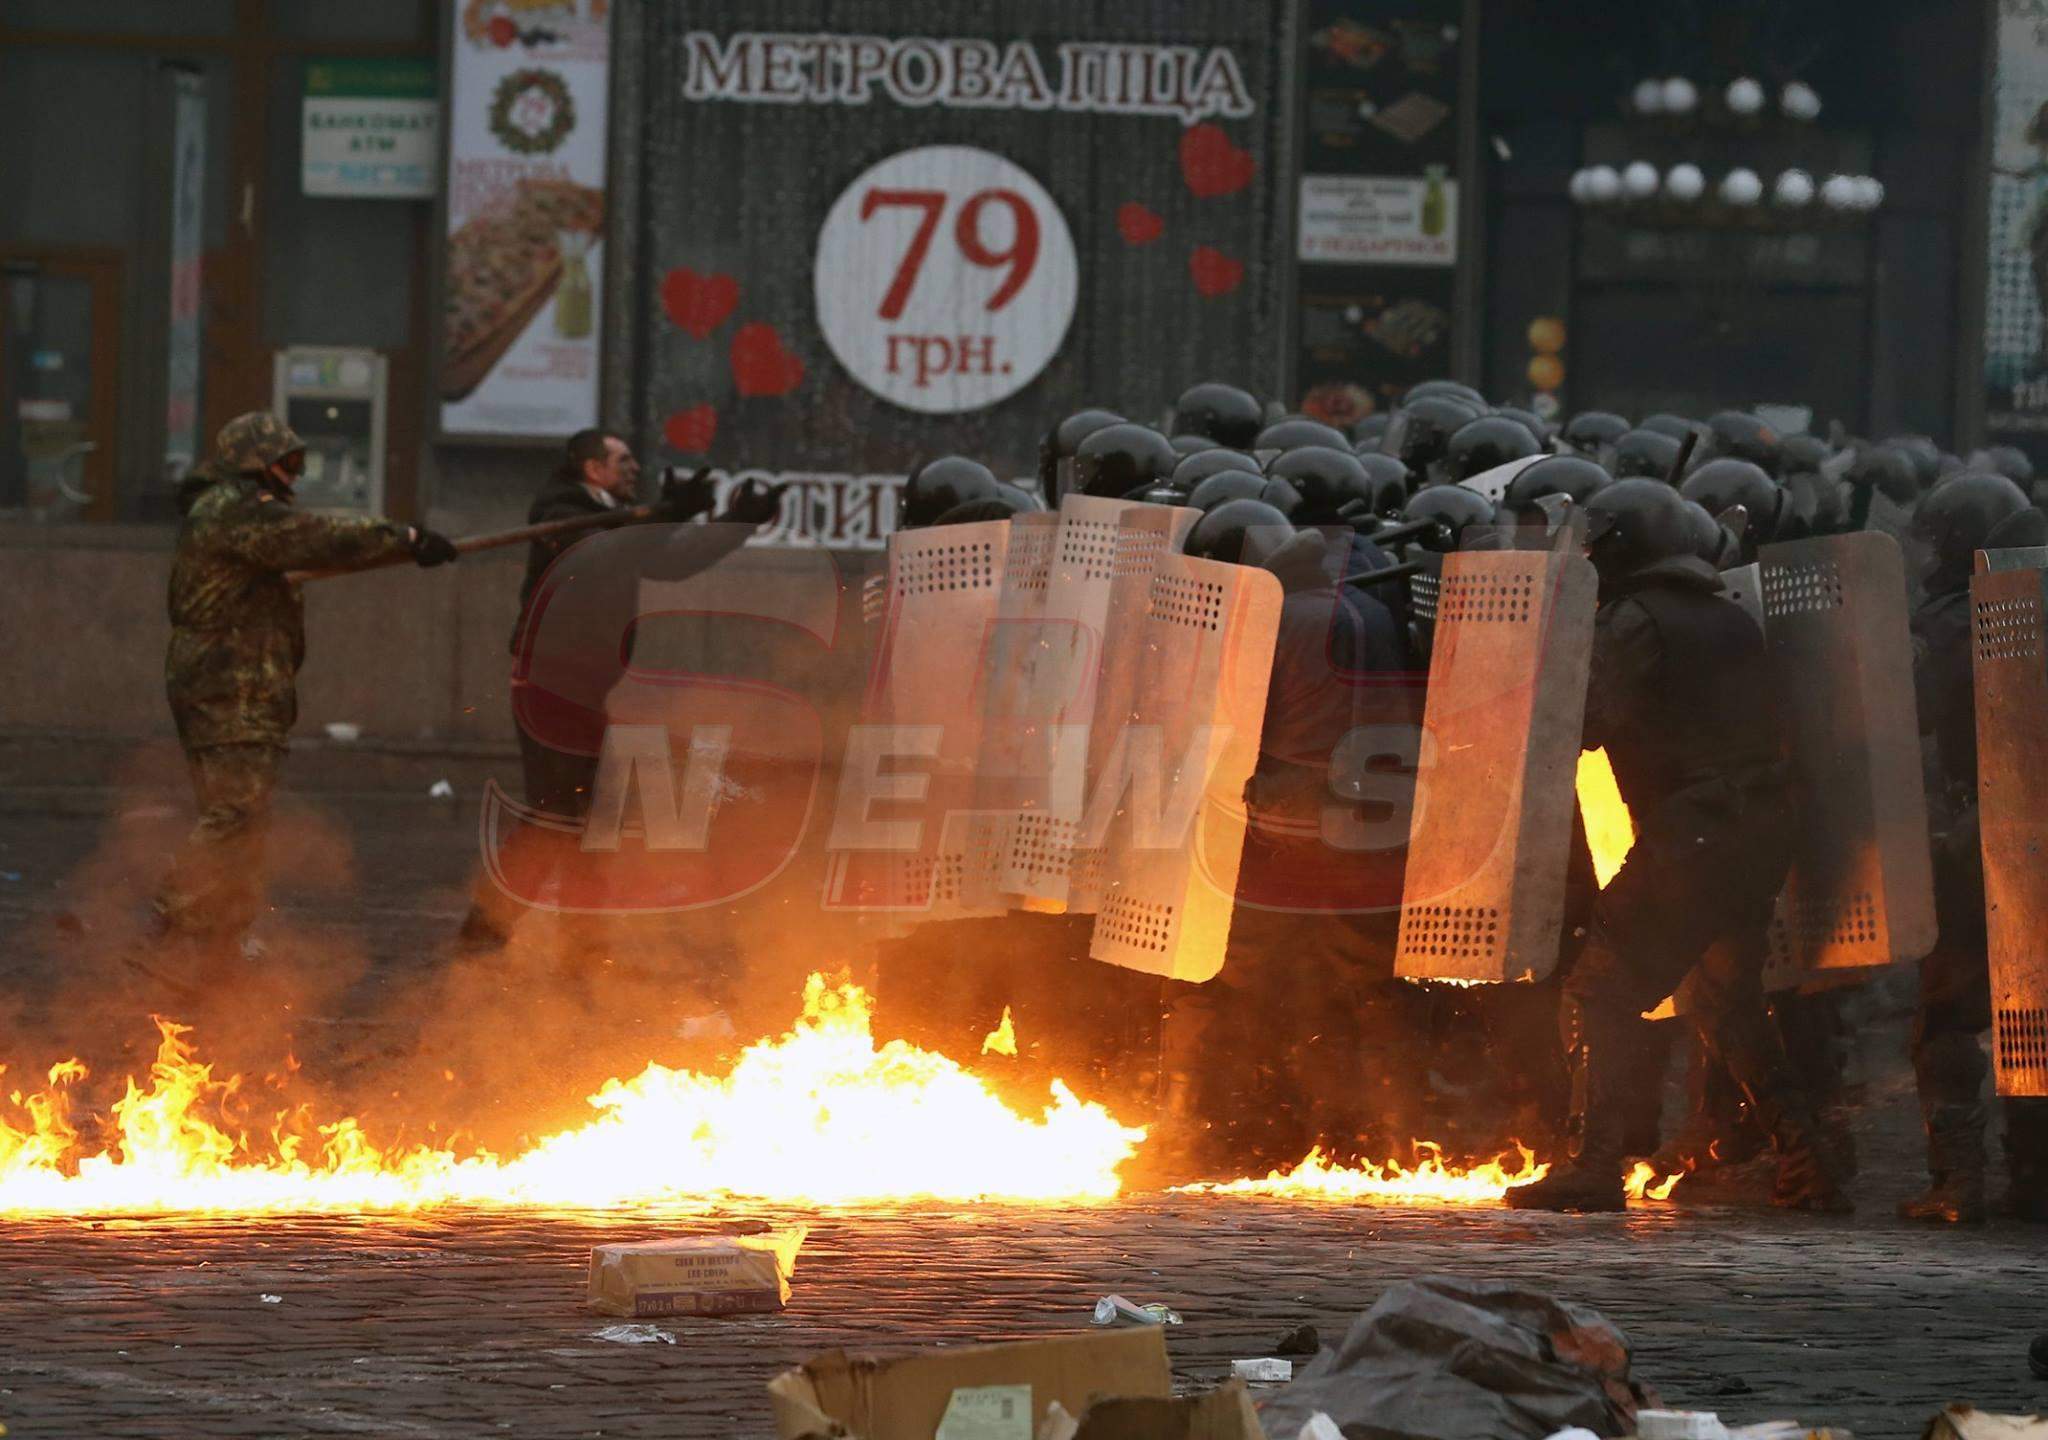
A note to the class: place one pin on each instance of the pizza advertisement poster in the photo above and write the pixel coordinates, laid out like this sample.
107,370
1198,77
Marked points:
523,255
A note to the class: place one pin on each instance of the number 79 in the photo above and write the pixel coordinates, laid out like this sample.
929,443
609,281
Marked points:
1020,257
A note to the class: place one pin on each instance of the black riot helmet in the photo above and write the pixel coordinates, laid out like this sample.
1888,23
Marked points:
1590,432
1713,542
1453,388
1421,430
1160,492
1888,468
974,512
1802,455
1454,506
1224,413
1675,426
1634,524
1721,484
1389,480
939,485
1239,532
1955,519
1738,435
1225,486
1535,424
1573,476
1481,445
1020,498
1328,479
1117,459
1367,433
1292,431
1186,445
1194,469
1063,439
1643,455
2007,460
1925,456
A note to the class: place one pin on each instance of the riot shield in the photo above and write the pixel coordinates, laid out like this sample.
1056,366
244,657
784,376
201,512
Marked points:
1043,679
1493,484
2011,675
1199,656
941,602
1483,898
1861,891
1146,535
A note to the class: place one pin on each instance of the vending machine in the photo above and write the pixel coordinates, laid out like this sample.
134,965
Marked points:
334,398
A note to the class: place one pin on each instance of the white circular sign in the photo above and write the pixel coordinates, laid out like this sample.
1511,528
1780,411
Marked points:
945,279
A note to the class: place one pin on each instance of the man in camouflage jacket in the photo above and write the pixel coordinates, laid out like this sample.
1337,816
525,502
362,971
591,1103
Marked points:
238,639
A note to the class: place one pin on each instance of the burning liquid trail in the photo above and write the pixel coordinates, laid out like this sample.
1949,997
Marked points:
1428,1181
820,1115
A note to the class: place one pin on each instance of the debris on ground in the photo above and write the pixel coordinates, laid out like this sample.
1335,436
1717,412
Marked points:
634,1335
1679,1425
1301,1340
960,1392
1115,1310
1441,1359
271,1299
1967,1422
696,1274
1262,1371
342,732
441,790
1225,1413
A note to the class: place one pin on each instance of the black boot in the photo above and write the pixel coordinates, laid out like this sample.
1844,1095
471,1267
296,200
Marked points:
1181,1145
1955,1165
2026,1158
1813,1158
1590,1180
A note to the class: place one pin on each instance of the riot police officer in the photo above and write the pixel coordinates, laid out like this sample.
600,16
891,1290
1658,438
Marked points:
1957,518
1680,698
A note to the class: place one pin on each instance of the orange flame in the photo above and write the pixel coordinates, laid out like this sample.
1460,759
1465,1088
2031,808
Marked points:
1429,1182
1610,830
1643,1184
1003,1039
821,1114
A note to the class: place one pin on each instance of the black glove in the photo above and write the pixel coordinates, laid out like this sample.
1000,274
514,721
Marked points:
685,497
752,504
431,548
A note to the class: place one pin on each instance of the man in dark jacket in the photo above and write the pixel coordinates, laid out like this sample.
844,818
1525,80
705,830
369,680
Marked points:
238,638
599,474
1679,697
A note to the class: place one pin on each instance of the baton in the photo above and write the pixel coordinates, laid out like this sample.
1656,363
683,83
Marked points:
1692,438
496,540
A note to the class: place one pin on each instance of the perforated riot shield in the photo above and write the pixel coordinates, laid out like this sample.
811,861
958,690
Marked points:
2010,666
1861,891
1168,804
941,599
1146,536
1043,673
1483,898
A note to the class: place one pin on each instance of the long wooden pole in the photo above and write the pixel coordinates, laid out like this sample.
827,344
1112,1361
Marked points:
499,539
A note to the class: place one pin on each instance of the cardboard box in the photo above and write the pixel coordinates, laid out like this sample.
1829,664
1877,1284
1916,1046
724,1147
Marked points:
1225,1413
695,1274
974,1392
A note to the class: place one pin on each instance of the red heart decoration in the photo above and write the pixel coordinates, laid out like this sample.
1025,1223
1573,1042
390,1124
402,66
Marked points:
699,303
1211,165
760,364
1214,272
691,431
1137,224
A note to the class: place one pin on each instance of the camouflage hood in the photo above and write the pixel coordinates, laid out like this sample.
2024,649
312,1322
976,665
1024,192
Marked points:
253,442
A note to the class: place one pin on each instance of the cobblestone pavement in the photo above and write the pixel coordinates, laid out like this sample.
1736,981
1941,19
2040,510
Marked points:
456,1324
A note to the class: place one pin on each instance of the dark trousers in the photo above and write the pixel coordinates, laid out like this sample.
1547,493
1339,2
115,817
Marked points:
215,886
1954,1009
1697,890
558,784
